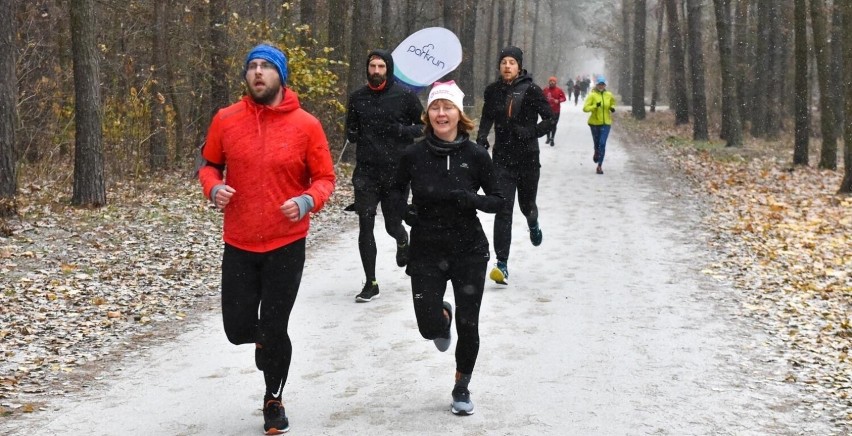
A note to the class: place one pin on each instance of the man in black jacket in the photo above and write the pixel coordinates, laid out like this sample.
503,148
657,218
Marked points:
513,105
382,119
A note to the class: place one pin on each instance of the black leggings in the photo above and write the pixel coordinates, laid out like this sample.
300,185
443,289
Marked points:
468,281
525,182
552,132
372,190
268,281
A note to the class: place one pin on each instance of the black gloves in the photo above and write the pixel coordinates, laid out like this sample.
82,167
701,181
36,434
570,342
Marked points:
612,109
411,131
599,104
483,141
464,199
410,217
524,132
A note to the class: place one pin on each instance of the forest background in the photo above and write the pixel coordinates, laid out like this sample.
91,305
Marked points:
101,101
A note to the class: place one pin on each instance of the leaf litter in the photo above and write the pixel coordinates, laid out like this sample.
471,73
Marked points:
79,284
783,237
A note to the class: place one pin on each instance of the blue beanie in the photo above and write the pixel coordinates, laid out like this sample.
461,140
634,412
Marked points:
269,54
601,79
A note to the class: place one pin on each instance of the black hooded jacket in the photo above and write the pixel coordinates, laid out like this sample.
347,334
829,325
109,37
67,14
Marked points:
516,134
445,178
382,122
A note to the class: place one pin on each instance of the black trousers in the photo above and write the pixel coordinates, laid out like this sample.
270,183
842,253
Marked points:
468,279
371,190
525,182
258,293
552,131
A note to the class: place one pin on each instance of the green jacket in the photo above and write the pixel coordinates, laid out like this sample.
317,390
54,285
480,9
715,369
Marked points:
599,115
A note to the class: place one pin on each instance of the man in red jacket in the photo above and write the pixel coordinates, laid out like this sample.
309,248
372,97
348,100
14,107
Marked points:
267,166
555,97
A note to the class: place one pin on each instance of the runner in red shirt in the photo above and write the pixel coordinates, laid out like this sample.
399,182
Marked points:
555,97
267,166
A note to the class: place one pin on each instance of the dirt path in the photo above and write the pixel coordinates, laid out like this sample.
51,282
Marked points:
608,328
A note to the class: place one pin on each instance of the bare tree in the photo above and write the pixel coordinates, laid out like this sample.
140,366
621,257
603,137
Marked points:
640,16
846,183
624,80
731,126
502,38
219,91
157,146
802,106
536,63
677,65
452,15
8,100
696,61
336,23
655,89
836,83
360,39
743,56
89,187
828,155
467,34
308,16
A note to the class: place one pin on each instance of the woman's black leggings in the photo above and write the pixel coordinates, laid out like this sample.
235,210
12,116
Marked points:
468,281
264,283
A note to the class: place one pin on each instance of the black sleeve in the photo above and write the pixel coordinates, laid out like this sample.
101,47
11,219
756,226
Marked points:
493,199
352,127
535,96
486,120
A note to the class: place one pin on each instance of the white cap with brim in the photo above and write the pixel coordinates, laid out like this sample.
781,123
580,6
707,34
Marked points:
447,91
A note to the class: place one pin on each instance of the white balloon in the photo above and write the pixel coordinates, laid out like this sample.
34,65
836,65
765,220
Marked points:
426,56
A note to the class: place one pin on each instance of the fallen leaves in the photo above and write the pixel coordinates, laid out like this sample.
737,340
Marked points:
75,284
785,238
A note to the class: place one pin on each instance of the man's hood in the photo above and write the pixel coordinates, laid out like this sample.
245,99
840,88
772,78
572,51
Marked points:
386,56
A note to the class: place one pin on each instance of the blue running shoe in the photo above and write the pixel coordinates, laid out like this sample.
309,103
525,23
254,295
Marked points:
500,273
535,235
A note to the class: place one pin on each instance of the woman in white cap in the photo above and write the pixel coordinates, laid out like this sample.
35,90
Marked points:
446,171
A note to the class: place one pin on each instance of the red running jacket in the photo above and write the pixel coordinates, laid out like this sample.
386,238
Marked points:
554,96
270,155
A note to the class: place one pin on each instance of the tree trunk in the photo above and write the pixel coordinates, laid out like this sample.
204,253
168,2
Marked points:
491,44
624,77
513,17
453,12
828,155
359,41
89,188
846,183
742,56
501,25
8,101
308,16
696,60
336,24
655,90
730,114
677,65
535,64
837,31
802,109
777,68
640,15
157,146
468,42
762,73
219,93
